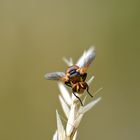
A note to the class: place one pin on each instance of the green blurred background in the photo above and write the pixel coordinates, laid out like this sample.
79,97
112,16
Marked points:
36,34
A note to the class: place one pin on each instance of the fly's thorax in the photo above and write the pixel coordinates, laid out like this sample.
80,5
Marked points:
71,68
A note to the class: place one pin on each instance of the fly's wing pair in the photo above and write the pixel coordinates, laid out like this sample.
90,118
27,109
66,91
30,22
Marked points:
83,63
55,76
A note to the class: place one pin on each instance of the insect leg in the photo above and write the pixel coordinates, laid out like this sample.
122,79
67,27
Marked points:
68,83
88,91
84,76
78,98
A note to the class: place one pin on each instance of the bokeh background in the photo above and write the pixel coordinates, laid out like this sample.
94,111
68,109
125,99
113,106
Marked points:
36,34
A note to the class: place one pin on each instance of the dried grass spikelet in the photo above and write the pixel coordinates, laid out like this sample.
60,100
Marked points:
73,111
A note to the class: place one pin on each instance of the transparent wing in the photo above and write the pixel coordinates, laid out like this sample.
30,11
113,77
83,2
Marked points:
55,76
87,57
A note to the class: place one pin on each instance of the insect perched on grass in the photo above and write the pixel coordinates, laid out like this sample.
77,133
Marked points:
74,76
